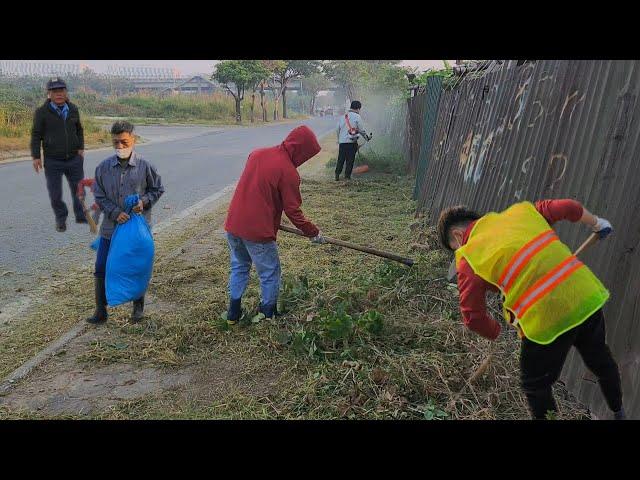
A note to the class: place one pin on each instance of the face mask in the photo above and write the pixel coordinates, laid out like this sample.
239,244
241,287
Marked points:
124,152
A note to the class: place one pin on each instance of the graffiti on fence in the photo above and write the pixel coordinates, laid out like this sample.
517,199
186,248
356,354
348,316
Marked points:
553,128
557,163
574,101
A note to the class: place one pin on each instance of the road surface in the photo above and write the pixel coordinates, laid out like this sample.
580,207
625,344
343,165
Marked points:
193,161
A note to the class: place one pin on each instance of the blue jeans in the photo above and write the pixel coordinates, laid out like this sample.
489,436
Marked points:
265,257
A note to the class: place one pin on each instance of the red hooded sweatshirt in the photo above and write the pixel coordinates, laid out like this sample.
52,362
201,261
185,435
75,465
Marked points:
269,185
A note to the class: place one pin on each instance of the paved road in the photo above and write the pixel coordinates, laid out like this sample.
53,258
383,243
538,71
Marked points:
194,162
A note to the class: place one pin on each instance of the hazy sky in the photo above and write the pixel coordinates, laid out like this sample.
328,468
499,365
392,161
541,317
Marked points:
189,67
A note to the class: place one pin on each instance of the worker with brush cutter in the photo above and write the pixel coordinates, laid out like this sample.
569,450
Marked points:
269,185
349,129
551,298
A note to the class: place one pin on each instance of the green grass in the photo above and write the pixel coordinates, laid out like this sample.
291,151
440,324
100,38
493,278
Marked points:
17,106
15,130
360,337
218,108
16,116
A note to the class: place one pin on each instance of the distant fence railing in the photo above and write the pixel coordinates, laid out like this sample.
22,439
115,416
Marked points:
546,129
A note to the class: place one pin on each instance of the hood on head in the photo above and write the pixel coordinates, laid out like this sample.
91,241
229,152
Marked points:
301,144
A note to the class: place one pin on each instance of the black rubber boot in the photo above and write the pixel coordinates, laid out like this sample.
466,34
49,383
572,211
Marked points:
100,316
138,309
235,310
619,415
269,311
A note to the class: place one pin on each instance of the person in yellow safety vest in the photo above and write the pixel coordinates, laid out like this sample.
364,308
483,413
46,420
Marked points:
551,298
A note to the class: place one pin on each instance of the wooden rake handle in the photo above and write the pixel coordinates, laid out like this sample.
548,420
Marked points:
353,246
87,214
593,238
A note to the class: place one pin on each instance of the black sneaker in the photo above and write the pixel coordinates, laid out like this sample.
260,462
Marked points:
97,319
81,220
61,226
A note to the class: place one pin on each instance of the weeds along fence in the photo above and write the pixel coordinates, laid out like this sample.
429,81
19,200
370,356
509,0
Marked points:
422,112
384,116
546,129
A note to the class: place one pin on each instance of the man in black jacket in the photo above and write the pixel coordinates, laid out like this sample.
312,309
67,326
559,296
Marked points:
57,127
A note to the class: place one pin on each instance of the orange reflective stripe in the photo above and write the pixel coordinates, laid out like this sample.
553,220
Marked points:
542,282
546,284
523,256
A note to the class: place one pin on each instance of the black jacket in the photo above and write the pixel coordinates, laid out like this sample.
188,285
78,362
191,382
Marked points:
61,138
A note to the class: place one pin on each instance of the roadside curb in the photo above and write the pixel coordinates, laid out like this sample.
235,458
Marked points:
53,348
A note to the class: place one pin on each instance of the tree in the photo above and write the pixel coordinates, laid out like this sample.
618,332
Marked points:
274,67
236,74
259,72
291,69
389,78
360,76
262,85
349,74
265,81
313,84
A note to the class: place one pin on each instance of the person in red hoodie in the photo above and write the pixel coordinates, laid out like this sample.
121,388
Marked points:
510,256
269,185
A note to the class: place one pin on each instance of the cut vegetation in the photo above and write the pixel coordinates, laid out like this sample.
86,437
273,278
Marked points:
360,338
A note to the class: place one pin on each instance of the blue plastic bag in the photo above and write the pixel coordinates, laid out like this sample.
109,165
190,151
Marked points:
96,243
130,259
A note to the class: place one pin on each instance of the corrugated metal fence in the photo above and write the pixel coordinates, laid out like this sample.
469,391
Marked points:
431,100
547,129
413,131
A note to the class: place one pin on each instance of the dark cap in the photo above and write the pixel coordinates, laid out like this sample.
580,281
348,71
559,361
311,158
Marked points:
56,82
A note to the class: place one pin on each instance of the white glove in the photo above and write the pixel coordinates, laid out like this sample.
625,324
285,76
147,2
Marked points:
318,238
602,227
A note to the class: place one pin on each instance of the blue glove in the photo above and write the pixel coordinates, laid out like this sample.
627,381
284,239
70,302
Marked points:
603,228
96,243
